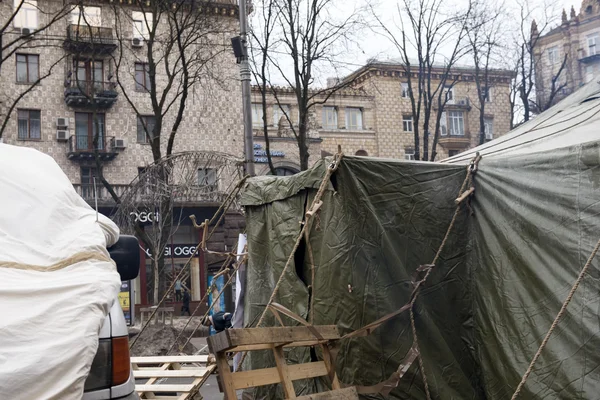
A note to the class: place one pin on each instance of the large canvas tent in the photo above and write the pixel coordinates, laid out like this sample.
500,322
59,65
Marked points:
511,259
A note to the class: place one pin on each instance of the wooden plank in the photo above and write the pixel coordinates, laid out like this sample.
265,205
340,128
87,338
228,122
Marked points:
329,363
164,388
169,359
341,394
155,373
269,346
270,376
284,376
225,377
250,336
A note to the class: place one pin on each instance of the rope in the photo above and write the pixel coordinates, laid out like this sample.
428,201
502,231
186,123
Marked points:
315,205
220,211
561,313
67,262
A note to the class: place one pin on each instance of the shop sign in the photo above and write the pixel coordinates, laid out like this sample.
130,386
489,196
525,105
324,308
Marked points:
178,250
145,216
260,155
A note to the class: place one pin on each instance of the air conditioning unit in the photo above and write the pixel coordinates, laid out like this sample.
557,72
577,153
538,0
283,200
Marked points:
137,42
119,143
62,136
62,123
27,32
463,102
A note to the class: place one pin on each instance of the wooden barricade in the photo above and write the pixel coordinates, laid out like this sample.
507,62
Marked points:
276,339
161,314
192,369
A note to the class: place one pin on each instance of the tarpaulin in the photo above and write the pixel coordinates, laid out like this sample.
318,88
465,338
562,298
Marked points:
57,282
499,284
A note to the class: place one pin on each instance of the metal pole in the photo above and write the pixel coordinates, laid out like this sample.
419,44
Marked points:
246,92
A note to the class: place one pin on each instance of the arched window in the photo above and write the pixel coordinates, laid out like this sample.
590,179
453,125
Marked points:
285,171
362,153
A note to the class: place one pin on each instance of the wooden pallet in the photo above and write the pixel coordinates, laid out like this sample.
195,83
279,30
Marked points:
193,369
276,339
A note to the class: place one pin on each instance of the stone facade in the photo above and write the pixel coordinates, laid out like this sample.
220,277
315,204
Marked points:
376,94
212,120
578,39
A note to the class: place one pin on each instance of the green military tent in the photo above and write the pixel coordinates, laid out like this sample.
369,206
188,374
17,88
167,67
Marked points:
513,255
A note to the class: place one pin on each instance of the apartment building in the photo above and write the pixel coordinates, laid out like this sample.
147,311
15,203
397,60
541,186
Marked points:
372,117
574,43
86,66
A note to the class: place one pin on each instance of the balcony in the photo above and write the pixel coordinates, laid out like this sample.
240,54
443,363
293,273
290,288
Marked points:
89,40
86,191
458,104
455,141
100,95
81,148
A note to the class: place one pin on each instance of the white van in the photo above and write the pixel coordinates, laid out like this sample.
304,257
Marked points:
111,377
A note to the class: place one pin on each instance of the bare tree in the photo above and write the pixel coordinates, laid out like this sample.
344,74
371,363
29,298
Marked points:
262,35
486,36
529,63
35,22
426,29
178,49
307,37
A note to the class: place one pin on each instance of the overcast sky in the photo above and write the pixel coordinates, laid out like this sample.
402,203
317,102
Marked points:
370,44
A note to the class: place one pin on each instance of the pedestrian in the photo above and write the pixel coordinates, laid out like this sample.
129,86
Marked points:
219,321
186,303
178,290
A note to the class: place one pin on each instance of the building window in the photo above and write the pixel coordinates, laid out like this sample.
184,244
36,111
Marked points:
488,128
29,124
444,124
405,90
449,91
86,130
457,123
589,73
145,128
142,77
141,23
553,55
354,120
407,123
28,68
330,118
91,16
257,115
487,94
592,42
89,75
452,153
207,177
281,114
285,171
409,153
88,175
27,16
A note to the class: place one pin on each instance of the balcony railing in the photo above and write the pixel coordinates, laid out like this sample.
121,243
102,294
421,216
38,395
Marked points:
86,190
89,39
82,147
90,94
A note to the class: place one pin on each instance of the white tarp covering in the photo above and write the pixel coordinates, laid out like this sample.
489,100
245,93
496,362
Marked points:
49,320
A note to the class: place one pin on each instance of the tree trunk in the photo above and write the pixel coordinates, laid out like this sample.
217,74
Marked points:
303,144
155,263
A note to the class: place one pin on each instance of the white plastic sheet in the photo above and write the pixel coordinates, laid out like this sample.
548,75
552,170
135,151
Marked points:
49,320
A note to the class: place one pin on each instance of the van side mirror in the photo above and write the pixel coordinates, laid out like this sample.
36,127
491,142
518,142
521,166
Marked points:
126,254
